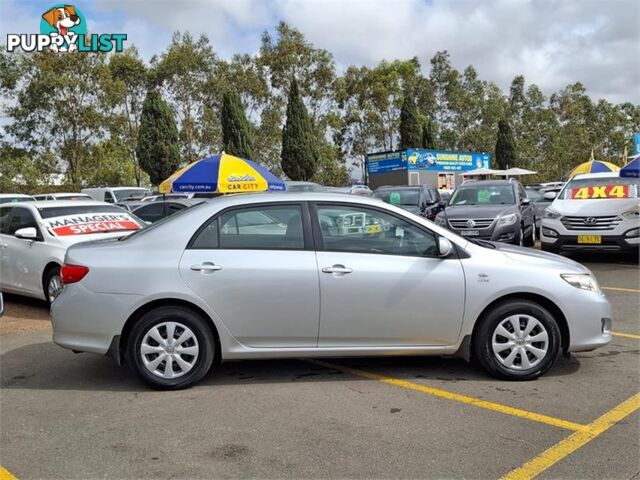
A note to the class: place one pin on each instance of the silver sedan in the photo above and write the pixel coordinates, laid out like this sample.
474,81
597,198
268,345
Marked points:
319,275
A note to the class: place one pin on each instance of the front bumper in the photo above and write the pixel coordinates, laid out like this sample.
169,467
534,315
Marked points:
589,317
567,240
503,233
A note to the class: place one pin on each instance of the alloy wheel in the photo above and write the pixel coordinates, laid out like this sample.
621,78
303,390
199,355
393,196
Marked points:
169,350
54,287
520,342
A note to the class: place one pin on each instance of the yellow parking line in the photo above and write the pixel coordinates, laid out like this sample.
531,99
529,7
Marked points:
5,474
620,289
626,335
574,441
476,402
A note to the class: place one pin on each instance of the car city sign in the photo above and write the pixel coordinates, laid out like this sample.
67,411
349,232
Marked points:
63,28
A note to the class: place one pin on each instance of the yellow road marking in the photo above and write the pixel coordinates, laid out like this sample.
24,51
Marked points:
619,289
626,335
574,441
5,474
476,402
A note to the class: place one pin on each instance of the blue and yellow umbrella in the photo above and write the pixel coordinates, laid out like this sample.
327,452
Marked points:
592,166
222,173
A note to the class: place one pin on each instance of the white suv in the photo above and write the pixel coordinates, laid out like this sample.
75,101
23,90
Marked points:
597,211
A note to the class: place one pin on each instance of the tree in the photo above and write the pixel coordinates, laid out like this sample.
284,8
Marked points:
158,143
125,88
299,148
237,134
428,134
410,131
506,156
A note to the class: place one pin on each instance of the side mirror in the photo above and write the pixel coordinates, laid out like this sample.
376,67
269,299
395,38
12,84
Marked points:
445,247
526,201
550,195
28,233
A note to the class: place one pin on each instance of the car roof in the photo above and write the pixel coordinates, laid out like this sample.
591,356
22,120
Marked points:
182,201
62,203
583,176
278,197
488,183
13,195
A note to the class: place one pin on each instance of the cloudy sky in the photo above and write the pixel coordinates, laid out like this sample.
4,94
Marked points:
552,43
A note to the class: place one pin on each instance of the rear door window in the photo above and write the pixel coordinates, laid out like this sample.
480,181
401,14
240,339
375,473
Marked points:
5,215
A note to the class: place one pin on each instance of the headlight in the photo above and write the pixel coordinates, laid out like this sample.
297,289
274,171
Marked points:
509,219
552,214
583,281
633,213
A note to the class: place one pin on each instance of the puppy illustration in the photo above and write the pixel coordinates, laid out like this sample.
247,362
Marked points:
62,19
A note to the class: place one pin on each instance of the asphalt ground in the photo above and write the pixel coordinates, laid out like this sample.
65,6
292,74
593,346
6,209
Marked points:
80,416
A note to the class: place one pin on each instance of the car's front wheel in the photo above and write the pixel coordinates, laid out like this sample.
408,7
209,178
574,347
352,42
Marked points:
517,340
171,348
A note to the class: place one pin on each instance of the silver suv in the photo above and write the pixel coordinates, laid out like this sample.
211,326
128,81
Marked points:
319,275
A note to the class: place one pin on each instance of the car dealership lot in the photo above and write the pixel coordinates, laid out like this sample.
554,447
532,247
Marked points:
80,416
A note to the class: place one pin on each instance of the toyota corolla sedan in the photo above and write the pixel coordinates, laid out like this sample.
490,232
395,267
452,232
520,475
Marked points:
34,237
319,275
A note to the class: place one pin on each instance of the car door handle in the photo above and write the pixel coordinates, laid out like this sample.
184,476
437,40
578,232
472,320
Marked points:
337,269
206,267
4,245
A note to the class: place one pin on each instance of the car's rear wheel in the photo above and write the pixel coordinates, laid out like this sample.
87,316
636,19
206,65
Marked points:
52,284
171,348
517,340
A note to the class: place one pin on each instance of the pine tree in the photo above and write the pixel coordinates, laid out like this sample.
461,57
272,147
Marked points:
410,128
428,134
158,140
506,155
237,133
299,147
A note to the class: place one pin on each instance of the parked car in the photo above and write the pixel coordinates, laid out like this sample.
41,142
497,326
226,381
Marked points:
596,211
496,210
34,237
116,194
153,211
63,196
547,194
304,187
275,275
419,199
14,198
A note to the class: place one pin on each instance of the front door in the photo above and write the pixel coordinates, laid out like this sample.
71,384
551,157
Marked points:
381,282
255,267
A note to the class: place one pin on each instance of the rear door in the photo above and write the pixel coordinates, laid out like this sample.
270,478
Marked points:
381,282
255,267
6,279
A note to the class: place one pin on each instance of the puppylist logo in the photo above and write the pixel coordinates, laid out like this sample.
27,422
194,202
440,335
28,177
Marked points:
63,28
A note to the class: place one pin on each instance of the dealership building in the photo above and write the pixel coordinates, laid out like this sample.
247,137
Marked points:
422,167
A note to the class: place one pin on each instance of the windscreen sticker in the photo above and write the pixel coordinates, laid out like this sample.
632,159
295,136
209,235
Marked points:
603,191
91,223
394,198
484,196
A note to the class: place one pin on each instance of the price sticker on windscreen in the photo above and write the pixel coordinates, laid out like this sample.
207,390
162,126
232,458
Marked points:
88,223
603,191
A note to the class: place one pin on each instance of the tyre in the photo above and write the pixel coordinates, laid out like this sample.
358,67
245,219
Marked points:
52,284
519,237
530,240
517,340
171,348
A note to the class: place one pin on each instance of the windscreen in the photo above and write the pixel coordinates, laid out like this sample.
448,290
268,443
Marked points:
89,219
483,195
601,188
399,197
130,192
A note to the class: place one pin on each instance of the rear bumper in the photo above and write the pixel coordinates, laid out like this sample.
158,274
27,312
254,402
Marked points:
88,322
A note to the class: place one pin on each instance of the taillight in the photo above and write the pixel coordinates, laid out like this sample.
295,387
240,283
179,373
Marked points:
72,273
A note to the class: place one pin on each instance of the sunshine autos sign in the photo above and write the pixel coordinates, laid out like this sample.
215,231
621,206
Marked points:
63,28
